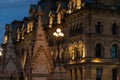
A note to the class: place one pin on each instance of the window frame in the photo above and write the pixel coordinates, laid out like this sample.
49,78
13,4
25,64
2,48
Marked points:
114,52
98,73
98,27
114,74
115,29
98,50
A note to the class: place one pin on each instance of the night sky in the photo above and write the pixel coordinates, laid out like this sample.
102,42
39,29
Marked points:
13,10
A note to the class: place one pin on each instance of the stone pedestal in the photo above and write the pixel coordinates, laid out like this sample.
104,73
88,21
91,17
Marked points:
39,76
59,74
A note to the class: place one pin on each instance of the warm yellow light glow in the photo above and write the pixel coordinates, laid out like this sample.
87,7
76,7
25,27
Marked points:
50,26
18,36
73,54
55,34
83,60
78,4
61,34
58,18
58,30
96,60
58,33
1,53
71,62
5,39
83,52
50,21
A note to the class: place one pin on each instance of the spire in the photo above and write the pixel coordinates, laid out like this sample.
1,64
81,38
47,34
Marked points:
10,46
41,49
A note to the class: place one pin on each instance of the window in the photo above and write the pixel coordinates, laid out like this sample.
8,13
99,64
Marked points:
77,53
22,51
80,29
98,50
98,27
114,29
99,74
114,74
71,31
114,51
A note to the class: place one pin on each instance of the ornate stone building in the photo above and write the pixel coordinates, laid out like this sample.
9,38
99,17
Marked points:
89,50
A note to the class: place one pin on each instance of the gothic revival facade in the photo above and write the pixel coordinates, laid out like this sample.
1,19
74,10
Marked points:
90,49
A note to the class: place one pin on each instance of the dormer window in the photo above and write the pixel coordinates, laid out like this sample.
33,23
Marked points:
58,18
30,27
50,21
18,35
23,35
69,7
5,39
23,31
78,4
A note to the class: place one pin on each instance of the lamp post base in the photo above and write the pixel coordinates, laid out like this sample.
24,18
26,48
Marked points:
59,73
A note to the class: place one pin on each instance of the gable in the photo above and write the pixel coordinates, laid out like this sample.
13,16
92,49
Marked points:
10,68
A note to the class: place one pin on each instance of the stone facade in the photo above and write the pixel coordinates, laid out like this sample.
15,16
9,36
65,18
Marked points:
90,47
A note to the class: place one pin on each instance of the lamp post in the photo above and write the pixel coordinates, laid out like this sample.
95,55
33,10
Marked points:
59,35
59,73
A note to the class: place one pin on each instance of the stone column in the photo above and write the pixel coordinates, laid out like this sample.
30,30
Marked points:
70,72
75,73
81,73
87,73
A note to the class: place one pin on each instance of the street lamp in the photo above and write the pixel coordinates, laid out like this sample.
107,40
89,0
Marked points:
59,72
59,35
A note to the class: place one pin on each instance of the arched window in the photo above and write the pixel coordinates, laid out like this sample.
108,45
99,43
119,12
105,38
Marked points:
114,51
115,29
80,29
98,50
98,27
71,32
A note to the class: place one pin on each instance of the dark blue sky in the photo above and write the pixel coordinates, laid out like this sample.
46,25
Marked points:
11,10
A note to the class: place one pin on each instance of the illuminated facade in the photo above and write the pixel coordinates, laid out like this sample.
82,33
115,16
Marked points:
90,47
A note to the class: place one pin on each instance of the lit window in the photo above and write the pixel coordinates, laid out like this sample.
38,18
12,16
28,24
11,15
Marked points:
114,51
5,39
58,18
28,28
78,4
50,21
31,26
18,35
98,74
